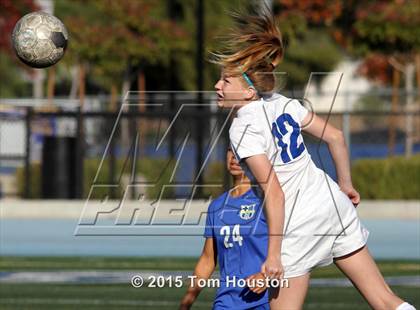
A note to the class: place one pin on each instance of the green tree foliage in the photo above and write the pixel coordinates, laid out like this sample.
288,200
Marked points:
113,35
377,30
373,29
217,21
314,51
306,28
11,84
387,27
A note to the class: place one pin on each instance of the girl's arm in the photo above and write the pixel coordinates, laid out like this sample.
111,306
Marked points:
263,171
337,145
203,270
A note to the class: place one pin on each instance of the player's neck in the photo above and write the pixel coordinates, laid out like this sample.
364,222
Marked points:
239,188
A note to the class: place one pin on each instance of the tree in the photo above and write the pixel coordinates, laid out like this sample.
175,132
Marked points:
10,12
308,47
387,34
10,67
216,21
118,39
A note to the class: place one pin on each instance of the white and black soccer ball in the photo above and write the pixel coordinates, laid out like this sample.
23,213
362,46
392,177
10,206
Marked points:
39,39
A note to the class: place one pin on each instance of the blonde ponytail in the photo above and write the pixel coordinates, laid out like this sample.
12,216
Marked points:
254,47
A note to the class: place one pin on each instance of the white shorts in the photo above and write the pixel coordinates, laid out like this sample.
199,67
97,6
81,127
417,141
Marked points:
321,222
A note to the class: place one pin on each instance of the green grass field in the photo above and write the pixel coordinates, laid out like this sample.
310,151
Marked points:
124,296
24,296
38,263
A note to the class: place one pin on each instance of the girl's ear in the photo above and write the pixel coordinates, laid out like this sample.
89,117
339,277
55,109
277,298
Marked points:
250,93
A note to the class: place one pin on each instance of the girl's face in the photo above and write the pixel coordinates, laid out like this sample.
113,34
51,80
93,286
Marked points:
231,92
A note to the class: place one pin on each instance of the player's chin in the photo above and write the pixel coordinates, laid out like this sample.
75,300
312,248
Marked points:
220,103
224,104
236,173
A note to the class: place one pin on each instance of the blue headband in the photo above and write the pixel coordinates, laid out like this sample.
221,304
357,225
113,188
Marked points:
248,80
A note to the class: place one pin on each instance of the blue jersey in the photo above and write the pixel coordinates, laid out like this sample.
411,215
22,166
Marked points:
239,228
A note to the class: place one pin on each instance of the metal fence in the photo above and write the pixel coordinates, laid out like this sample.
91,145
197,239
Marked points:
113,150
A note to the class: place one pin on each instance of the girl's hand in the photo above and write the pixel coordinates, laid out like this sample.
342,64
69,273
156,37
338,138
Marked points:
257,278
353,195
272,267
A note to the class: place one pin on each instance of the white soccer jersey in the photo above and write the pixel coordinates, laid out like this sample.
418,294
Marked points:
271,127
320,221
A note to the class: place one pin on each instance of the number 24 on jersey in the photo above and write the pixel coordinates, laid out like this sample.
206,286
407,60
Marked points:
236,235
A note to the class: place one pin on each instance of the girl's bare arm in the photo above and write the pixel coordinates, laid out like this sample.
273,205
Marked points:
203,270
263,171
334,138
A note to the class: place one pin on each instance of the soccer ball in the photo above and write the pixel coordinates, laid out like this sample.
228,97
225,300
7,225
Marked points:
39,39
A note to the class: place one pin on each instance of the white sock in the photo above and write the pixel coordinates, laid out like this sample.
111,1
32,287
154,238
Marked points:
405,306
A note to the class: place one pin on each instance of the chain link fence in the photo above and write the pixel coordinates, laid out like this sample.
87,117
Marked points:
166,142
